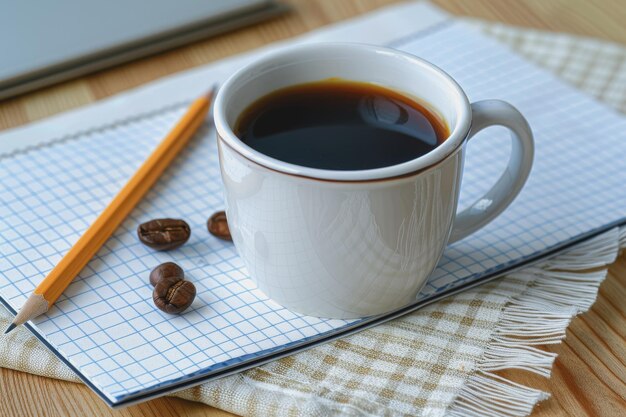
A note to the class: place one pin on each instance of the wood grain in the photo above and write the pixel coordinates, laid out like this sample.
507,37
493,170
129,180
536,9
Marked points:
589,376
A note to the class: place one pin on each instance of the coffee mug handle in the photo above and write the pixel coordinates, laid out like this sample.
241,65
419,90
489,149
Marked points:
497,113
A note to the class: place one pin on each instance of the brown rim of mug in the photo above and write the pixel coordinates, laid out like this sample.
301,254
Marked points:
397,177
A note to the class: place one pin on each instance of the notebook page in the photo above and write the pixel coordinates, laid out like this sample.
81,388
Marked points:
576,183
105,323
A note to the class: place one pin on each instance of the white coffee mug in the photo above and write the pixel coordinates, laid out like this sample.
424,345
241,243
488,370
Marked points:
347,244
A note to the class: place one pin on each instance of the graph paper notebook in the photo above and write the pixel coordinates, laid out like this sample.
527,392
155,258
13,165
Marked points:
105,326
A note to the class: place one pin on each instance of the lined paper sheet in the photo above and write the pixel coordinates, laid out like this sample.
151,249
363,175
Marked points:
105,324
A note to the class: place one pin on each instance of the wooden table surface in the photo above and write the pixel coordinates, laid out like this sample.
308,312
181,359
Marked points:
589,376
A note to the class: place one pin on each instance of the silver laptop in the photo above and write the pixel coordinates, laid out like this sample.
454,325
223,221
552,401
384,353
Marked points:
44,42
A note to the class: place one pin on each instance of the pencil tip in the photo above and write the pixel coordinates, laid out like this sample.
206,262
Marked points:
11,327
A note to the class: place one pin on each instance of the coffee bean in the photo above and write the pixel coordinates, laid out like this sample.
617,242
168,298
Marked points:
218,226
174,299
164,234
167,270
172,293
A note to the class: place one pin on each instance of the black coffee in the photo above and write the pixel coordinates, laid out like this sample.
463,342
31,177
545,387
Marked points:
340,125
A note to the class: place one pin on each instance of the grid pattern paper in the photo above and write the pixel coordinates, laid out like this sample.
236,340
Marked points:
105,324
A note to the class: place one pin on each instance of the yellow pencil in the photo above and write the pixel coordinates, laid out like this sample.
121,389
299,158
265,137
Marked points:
103,227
